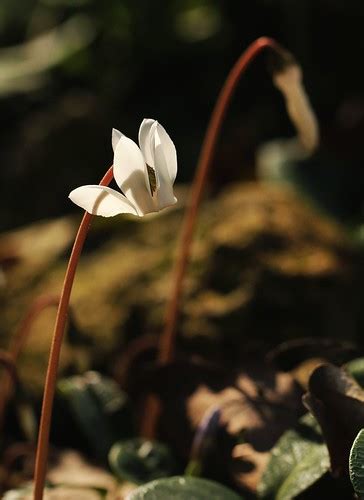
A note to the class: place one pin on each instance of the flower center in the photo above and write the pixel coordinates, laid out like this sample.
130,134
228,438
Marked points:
152,179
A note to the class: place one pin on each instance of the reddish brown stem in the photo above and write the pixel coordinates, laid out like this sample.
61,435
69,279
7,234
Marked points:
51,377
7,361
24,329
10,378
167,339
17,343
137,347
206,156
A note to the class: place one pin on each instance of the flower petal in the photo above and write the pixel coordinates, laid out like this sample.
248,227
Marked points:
145,134
101,200
164,183
131,176
115,137
169,151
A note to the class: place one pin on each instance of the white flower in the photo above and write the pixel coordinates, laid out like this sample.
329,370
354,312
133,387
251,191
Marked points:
144,175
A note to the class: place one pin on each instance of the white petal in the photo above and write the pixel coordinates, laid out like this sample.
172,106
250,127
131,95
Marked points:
164,184
145,134
146,142
115,138
101,200
130,173
169,151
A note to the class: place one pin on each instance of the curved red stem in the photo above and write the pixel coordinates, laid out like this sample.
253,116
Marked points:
22,333
10,378
7,362
167,339
17,343
51,377
199,182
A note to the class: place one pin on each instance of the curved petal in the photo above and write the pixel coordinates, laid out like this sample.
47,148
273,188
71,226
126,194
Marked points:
145,134
146,143
146,138
130,173
169,152
101,200
164,184
115,137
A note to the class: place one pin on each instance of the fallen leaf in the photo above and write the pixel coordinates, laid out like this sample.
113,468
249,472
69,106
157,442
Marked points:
73,470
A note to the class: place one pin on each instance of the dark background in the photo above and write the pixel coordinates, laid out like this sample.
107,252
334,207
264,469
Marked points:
166,60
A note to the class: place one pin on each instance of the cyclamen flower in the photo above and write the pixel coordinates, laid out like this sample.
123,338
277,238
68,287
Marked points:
145,175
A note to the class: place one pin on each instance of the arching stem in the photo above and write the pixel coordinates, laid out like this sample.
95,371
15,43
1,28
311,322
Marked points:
51,377
167,339
17,343
7,362
24,329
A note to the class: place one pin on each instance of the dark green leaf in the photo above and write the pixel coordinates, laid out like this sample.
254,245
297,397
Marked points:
297,461
356,370
139,460
356,464
100,409
311,468
183,488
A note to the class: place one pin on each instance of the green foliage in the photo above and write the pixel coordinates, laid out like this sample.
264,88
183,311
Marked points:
140,460
298,460
44,52
194,468
356,464
301,457
356,370
183,488
100,409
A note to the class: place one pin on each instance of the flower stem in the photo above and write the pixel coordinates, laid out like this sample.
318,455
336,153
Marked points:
53,362
167,338
10,378
166,349
7,362
17,344
23,331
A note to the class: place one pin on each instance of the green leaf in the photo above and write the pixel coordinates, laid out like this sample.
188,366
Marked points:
311,468
100,409
140,461
356,370
194,468
356,464
183,488
298,460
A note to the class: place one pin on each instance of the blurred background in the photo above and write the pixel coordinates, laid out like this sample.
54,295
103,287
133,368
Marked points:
276,273
267,263
70,70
